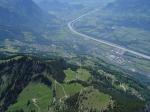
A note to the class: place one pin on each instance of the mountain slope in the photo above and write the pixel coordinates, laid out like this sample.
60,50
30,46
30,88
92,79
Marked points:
23,12
23,22
67,10
62,9
26,84
26,70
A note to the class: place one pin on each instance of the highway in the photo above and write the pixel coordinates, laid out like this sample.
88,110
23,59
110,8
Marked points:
73,30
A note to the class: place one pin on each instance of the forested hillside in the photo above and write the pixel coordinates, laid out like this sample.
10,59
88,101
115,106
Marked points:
35,84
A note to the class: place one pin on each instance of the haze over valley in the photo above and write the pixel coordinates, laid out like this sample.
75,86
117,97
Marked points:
74,56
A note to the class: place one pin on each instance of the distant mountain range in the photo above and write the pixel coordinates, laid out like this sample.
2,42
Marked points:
63,9
58,5
23,13
140,6
135,12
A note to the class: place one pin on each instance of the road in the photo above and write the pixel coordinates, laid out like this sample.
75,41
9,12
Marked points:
73,30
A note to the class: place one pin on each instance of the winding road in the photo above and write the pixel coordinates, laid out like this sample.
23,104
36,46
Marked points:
73,30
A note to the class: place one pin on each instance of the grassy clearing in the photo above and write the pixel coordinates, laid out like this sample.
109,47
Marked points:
59,91
93,99
83,74
67,89
70,75
80,74
72,88
33,93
